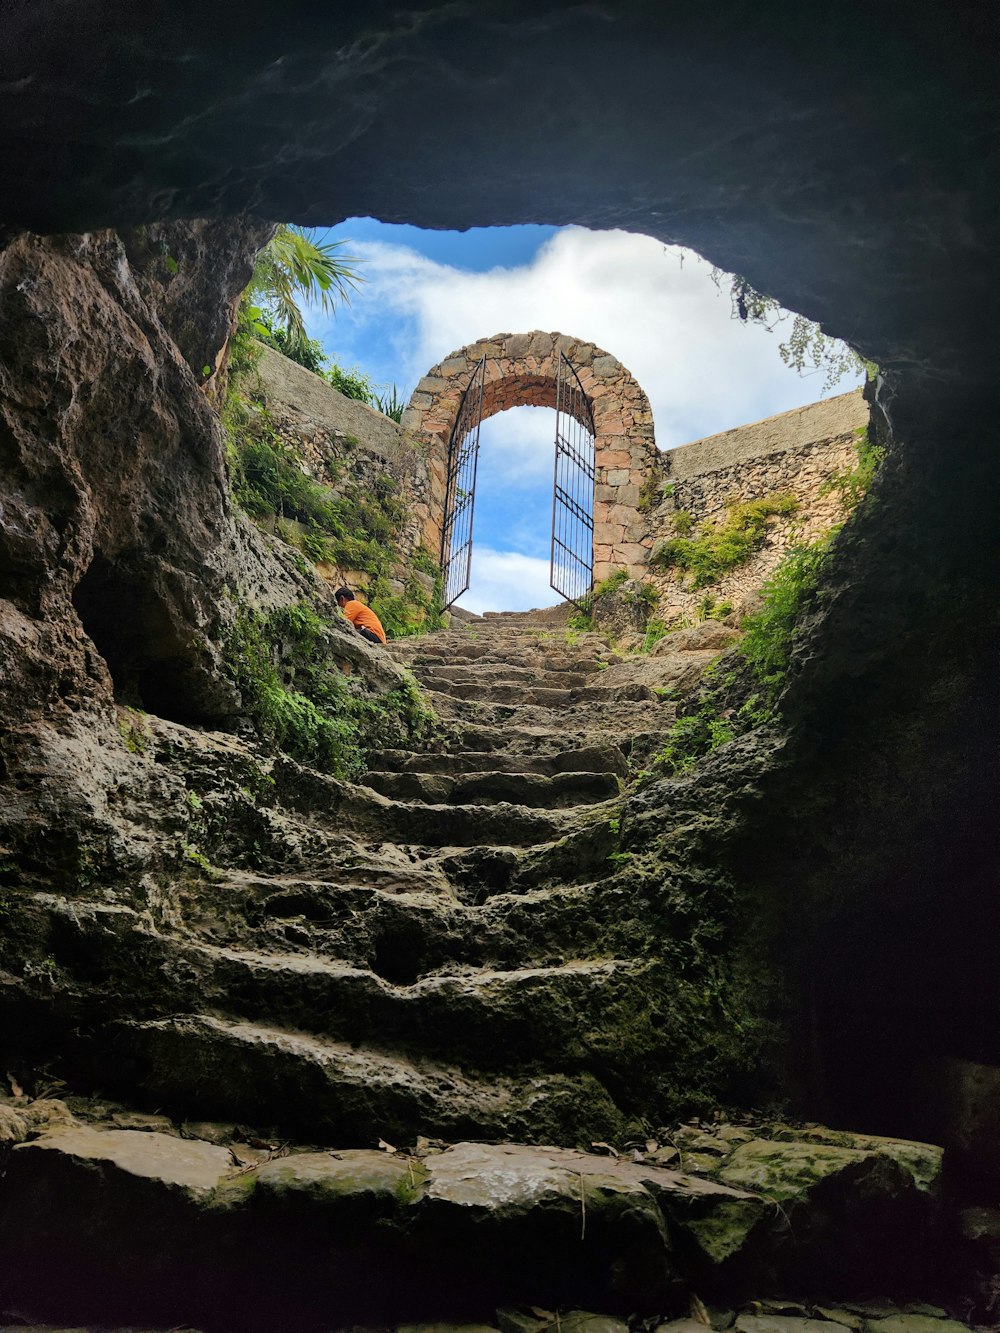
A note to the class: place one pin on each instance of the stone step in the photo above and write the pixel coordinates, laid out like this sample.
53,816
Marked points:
331,808
443,677
590,759
533,696
548,733
561,655
597,720
488,787
561,1015
213,1068
106,1226
491,636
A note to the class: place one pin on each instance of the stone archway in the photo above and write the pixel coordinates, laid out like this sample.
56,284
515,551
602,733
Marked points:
521,371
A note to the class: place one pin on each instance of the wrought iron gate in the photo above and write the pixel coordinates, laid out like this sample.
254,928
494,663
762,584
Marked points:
460,495
572,566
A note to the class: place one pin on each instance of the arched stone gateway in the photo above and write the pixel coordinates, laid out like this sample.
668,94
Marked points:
522,369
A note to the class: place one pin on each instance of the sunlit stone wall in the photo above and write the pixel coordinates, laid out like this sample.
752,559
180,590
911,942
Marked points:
521,370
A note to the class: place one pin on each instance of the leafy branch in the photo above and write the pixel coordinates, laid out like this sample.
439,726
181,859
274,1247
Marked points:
807,349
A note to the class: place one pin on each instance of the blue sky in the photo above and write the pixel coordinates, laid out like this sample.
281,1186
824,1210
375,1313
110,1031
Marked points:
654,307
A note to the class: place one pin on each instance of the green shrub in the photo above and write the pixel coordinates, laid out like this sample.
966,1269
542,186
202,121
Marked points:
709,609
353,383
853,483
655,631
651,492
300,702
723,544
788,593
740,691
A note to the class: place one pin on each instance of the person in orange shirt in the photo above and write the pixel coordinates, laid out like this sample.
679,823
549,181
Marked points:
364,620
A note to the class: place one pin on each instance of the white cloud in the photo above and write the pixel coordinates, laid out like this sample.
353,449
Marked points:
519,444
506,581
652,306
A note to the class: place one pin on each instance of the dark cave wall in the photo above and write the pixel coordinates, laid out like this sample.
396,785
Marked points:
840,161
115,493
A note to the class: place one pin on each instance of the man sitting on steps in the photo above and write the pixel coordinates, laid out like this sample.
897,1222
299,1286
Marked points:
364,620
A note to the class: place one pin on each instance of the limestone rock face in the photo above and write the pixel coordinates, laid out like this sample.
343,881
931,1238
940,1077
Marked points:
123,555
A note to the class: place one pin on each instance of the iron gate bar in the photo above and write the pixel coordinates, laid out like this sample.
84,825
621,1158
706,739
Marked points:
571,570
572,505
460,492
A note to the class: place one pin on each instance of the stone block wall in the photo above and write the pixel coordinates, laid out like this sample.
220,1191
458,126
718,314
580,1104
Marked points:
339,441
796,452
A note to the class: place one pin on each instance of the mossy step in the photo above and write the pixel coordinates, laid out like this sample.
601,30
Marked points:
106,1226
535,696
558,1017
590,759
212,1068
330,808
487,787
437,677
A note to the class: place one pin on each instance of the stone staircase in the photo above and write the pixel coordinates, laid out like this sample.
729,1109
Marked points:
459,948
439,949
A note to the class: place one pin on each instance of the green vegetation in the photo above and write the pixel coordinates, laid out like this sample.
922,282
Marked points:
132,729
788,594
724,543
745,695
655,630
294,265
709,609
299,700
807,349
651,492
356,529
853,483
583,618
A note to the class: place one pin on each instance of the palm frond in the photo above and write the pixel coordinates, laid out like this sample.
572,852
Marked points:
293,267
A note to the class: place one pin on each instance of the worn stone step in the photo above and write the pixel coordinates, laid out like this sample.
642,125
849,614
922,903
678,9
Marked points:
533,696
550,733
596,719
589,759
513,666
563,1015
439,677
206,1067
550,657
488,787
491,636
332,808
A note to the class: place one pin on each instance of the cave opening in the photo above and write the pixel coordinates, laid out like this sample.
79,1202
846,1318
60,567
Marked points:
133,631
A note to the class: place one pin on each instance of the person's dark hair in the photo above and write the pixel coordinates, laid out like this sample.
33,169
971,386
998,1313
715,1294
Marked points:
344,592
